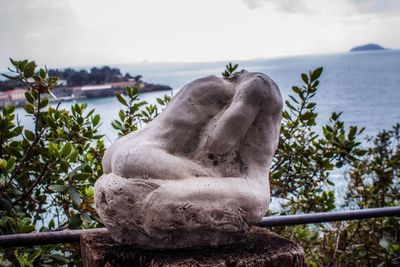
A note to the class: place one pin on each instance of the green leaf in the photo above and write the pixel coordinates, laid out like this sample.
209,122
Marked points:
77,108
59,259
10,163
53,80
29,108
306,116
51,224
29,97
36,78
44,102
229,69
360,152
75,128
352,132
75,197
335,116
316,73
29,69
74,156
21,64
64,166
8,109
290,105
33,257
29,135
97,136
74,221
296,89
10,77
66,149
82,175
42,73
116,125
80,120
160,101
6,205
25,226
121,115
339,165
304,77
121,99
311,105
96,120
90,113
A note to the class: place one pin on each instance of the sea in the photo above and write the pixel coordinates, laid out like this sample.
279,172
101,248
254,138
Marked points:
365,86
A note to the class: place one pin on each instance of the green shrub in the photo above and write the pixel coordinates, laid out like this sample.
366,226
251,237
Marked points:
47,174
300,176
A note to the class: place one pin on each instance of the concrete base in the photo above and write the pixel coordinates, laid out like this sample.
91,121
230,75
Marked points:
259,248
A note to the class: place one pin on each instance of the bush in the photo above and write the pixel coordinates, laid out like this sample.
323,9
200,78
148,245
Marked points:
47,173
300,176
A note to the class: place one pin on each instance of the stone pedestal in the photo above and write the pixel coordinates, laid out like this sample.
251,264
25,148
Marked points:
259,248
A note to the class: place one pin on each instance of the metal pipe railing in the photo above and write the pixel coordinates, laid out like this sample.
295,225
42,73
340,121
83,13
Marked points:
44,238
347,215
71,236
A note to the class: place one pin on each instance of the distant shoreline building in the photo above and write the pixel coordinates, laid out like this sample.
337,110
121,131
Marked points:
16,97
101,90
63,92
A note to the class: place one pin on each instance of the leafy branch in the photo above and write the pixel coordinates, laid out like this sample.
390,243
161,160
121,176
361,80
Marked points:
229,70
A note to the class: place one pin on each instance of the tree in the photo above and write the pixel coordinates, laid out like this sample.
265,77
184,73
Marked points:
47,173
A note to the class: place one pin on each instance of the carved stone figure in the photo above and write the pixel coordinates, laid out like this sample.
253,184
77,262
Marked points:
197,175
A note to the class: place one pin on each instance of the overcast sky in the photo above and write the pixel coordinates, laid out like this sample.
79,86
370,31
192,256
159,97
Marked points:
95,32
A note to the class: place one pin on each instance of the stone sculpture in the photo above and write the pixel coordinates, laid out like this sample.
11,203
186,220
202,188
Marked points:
197,175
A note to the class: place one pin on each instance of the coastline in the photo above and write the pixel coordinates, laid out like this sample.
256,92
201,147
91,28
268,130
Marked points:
64,94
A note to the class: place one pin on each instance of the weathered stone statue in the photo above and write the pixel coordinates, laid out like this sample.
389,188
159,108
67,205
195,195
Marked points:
197,175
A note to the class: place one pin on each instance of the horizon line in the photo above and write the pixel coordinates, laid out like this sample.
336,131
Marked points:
146,62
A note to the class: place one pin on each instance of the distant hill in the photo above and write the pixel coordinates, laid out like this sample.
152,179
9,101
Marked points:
367,47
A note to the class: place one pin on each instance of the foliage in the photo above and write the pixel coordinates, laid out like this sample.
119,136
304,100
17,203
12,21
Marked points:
229,70
47,173
300,175
81,77
304,158
101,75
135,111
373,182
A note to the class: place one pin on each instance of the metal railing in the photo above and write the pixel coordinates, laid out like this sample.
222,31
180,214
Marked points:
71,236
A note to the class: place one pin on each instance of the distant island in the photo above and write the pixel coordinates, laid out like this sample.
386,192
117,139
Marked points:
78,84
367,47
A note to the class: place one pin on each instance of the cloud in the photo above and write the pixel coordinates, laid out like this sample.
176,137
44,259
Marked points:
34,26
377,6
361,7
253,4
74,33
289,6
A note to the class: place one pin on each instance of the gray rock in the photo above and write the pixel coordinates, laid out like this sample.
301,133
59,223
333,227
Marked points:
197,175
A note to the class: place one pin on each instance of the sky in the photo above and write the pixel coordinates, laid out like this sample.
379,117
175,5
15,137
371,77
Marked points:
73,33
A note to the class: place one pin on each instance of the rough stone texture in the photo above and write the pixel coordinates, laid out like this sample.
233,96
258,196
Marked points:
258,248
197,175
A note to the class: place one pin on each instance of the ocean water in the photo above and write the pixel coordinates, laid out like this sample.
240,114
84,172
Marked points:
365,86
